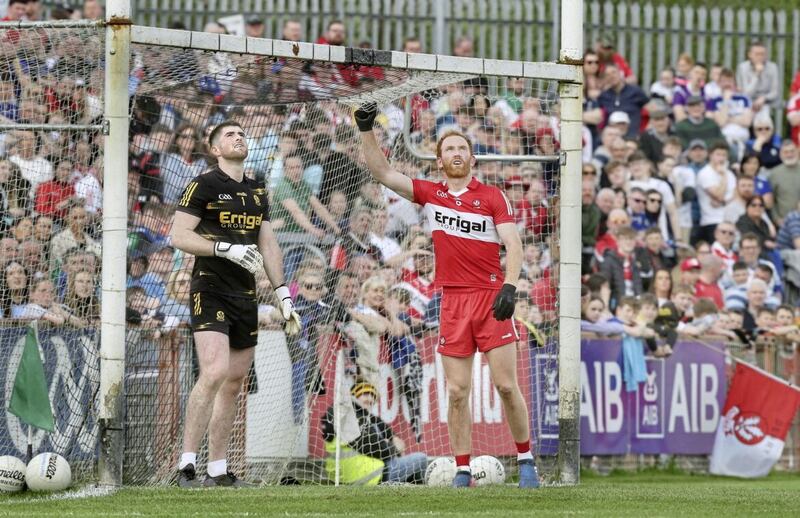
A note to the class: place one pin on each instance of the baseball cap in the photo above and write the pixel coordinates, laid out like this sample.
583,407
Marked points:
362,388
254,20
619,118
692,263
694,99
698,143
659,113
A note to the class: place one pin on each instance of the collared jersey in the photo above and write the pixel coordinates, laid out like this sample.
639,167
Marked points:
464,229
231,212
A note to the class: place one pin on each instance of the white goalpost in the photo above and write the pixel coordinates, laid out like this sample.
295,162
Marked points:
161,91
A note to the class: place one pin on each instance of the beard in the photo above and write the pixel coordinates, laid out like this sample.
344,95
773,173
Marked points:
456,171
235,153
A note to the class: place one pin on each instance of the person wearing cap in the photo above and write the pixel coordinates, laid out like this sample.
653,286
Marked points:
696,125
620,120
370,452
622,96
659,129
693,87
690,271
732,111
254,27
608,56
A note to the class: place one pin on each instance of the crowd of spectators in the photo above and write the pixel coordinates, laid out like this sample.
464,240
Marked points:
691,196
688,191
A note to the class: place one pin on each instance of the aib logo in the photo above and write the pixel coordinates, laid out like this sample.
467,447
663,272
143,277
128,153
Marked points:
650,387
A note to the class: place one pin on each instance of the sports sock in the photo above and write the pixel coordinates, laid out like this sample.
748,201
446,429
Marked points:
462,462
187,457
525,456
217,468
523,447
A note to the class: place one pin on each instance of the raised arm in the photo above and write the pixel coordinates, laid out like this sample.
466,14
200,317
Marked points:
376,162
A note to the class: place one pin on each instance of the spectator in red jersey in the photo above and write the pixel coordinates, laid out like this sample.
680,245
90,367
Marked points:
724,236
707,283
538,222
617,219
793,108
420,284
335,35
608,56
53,197
622,269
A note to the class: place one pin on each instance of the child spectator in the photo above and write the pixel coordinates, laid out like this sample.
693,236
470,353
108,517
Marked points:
634,370
621,268
648,312
736,295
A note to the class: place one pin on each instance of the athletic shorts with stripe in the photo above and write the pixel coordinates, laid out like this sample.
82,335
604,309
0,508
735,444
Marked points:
467,323
233,316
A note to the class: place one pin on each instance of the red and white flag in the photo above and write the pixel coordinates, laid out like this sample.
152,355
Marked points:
755,420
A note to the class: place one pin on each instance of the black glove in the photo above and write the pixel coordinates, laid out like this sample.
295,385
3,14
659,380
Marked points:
365,116
504,302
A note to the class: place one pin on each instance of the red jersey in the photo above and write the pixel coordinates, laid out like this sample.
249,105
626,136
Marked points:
711,291
421,290
793,106
464,229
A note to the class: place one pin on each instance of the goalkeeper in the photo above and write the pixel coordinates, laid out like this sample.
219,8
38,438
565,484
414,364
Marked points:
223,219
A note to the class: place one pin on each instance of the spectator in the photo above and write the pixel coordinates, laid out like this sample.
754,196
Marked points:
54,196
659,129
293,202
696,125
784,180
664,88
716,186
590,223
767,144
684,181
732,111
412,45
641,176
755,221
42,305
682,68
292,30
380,452
604,47
420,283
736,294
13,288
722,247
602,155
759,78
756,296
634,369
89,189
183,161
745,190
254,27
463,47
750,254
32,256
73,236
92,10
389,247
692,88
34,168
622,96
750,166
708,282
81,299
689,272
636,210
652,256
617,219
176,302
355,242
661,286
789,233
621,267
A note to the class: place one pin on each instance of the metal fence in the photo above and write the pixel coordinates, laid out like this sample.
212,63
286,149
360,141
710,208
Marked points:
650,35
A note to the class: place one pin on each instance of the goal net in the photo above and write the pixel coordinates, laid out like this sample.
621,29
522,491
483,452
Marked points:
357,257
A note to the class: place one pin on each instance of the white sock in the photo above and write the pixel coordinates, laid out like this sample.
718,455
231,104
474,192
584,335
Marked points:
217,467
187,457
525,456
462,468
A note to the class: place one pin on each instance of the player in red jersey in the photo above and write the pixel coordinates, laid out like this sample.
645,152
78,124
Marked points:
468,221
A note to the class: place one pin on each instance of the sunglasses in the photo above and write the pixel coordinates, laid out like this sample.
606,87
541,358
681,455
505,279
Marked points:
310,286
638,200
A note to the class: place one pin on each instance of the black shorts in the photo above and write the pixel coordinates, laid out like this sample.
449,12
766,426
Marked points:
235,317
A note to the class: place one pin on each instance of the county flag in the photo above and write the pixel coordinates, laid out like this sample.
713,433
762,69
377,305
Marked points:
755,420
30,400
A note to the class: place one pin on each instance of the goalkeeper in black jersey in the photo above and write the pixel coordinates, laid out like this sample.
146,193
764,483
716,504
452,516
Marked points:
223,219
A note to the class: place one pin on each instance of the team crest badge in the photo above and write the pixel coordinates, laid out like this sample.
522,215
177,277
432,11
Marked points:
476,203
257,199
441,340
220,316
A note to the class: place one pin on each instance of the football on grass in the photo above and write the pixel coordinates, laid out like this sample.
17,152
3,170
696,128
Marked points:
48,472
12,474
487,470
441,472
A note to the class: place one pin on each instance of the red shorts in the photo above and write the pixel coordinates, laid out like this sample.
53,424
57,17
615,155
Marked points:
467,323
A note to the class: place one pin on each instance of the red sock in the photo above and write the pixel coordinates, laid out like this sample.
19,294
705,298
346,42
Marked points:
462,460
523,447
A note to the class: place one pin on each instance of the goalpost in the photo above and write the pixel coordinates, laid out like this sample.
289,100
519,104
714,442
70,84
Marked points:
295,102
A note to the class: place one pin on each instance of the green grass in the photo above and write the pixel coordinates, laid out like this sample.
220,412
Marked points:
651,493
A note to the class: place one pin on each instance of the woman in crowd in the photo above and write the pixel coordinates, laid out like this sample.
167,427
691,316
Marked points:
42,305
81,299
662,286
754,220
182,162
176,304
14,288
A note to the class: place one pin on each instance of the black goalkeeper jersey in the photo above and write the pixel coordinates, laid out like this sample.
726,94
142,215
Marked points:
231,212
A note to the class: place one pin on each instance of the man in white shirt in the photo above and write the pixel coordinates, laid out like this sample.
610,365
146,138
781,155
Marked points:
34,168
388,246
716,185
641,169
90,188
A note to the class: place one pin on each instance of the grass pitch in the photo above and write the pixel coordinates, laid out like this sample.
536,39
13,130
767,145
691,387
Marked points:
634,494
